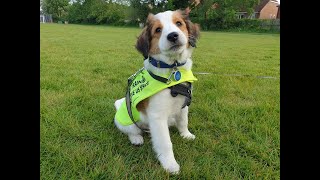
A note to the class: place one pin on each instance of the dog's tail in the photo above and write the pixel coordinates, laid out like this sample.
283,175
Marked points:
118,103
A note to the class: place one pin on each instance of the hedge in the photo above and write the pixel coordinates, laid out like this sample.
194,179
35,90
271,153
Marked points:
253,25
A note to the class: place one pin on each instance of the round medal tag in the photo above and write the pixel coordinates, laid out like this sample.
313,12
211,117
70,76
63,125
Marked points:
177,75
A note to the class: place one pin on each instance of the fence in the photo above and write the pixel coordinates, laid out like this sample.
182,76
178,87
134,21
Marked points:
45,18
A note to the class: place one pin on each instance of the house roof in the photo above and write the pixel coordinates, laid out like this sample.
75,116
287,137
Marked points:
262,3
260,6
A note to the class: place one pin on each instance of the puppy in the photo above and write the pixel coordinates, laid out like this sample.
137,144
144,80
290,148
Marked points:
159,94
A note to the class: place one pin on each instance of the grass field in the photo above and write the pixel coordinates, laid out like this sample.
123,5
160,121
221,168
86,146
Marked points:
234,114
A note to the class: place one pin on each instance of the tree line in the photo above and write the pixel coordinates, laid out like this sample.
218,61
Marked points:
210,14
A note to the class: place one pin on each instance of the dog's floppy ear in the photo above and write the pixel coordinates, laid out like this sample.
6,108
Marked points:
143,41
193,29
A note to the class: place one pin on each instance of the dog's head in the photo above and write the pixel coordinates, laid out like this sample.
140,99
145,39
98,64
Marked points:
167,33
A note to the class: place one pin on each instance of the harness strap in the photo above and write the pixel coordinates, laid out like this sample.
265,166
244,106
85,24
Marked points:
128,105
177,89
159,78
182,90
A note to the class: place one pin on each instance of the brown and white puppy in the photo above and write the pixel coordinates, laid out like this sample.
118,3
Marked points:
168,36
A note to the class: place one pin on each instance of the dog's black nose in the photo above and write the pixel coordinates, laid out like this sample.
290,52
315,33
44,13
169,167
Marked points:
173,36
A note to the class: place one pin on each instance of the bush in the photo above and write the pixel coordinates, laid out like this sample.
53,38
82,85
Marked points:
252,25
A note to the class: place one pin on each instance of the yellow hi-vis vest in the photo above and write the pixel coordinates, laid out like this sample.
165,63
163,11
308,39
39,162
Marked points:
142,87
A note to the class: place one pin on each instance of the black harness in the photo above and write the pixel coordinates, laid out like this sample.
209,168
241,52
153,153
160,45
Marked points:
182,89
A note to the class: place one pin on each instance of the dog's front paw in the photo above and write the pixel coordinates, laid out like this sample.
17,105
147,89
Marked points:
172,167
136,139
188,135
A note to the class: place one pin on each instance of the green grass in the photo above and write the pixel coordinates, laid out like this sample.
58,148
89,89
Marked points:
234,113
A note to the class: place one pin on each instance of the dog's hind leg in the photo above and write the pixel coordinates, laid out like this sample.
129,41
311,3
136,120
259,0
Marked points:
182,124
133,132
118,103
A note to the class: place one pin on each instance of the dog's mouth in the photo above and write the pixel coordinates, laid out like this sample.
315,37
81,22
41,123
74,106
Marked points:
175,47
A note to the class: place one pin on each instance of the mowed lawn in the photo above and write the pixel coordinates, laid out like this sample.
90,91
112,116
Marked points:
234,114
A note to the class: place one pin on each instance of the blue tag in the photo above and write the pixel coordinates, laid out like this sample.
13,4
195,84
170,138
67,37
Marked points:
177,75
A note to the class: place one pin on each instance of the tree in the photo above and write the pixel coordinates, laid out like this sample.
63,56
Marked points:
180,4
58,8
97,11
76,13
139,9
220,12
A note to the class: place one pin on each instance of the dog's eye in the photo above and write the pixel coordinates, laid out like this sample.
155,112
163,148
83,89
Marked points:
178,23
158,30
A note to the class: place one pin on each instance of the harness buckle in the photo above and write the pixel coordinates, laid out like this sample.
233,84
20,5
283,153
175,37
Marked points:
169,78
